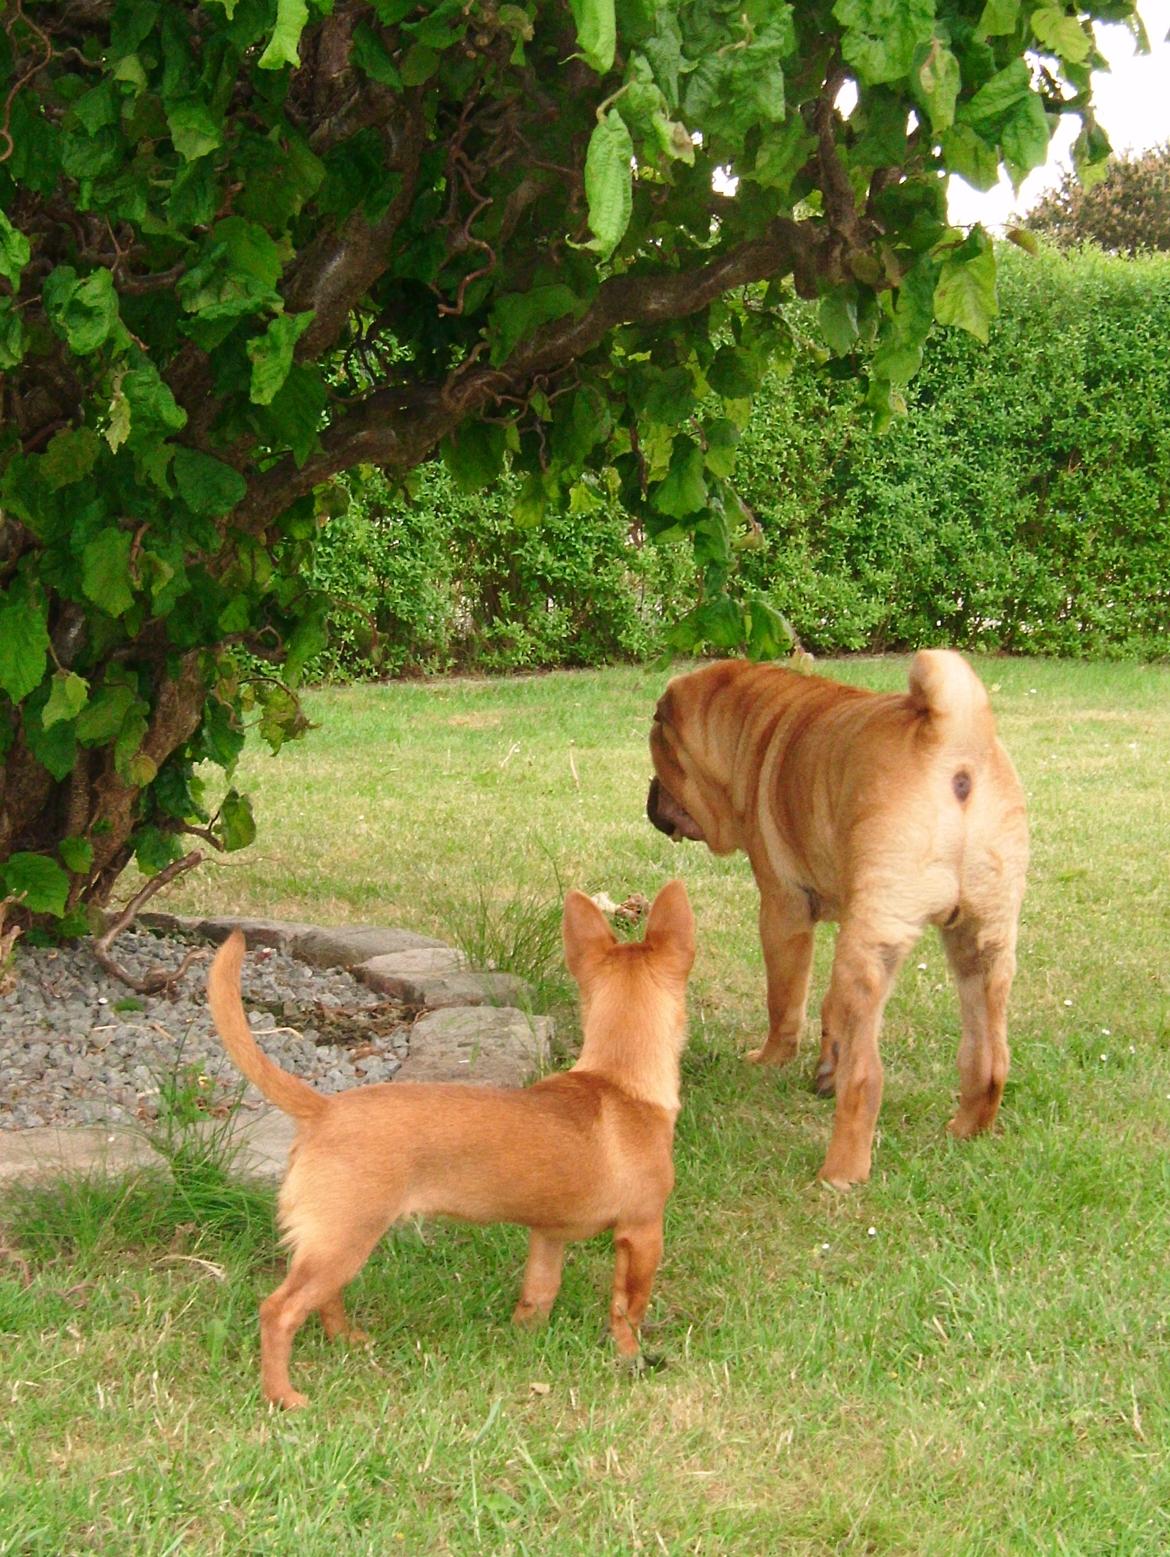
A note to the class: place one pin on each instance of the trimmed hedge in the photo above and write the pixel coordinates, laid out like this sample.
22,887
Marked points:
1023,504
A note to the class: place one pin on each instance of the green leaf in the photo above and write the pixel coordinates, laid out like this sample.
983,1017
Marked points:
722,438
105,714
967,153
150,407
12,336
1061,34
370,54
609,183
40,883
996,99
419,64
70,456
271,355
118,424
1023,239
733,373
77,853
683,491
105,571
1024,138
596,32
1091,152
939,79
295,413
881,37
899,353
517,314
237,824
720,623
14,251
84,312
154,850
474,455
24,647
67,697
55,748
194,129
291,17
965,292
128,741
999,18
207,486
837,312
769,633
141,770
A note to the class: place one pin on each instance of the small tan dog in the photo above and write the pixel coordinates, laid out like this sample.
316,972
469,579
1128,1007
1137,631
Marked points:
568,1157
883,811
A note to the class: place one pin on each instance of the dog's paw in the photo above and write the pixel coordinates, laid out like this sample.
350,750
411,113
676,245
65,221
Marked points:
771,1054
529,1316
642,1363
291,1400
825,1080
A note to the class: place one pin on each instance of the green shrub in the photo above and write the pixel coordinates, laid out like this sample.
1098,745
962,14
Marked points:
451,581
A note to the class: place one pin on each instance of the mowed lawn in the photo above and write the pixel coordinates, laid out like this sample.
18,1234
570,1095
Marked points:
971,1354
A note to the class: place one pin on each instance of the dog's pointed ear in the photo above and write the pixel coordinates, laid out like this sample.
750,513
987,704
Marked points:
671,922
586,931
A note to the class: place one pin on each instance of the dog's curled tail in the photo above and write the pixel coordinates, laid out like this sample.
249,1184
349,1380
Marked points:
943,686
291,1095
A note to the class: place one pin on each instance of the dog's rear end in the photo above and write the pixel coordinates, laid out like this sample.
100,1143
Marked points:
568,1157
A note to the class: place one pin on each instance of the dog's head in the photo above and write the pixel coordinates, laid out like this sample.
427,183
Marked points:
633,993
688,795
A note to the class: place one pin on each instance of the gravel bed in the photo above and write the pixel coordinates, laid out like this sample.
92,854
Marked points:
80,1048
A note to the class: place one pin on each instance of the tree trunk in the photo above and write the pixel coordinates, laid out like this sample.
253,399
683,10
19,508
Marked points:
94,801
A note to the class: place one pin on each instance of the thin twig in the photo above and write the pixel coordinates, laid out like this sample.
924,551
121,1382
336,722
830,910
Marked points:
158,979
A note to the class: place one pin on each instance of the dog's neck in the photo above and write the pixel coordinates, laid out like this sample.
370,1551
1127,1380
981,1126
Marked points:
634,1031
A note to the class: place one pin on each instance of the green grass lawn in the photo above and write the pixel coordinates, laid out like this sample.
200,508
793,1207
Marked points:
968,1355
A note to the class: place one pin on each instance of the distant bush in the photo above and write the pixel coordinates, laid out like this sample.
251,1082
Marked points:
1023,504
1128,212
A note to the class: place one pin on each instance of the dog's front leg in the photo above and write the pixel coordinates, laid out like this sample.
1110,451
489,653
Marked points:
637,1252
863,974
542,1278
786,938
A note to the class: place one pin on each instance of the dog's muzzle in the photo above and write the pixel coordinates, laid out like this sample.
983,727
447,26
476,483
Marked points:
669,817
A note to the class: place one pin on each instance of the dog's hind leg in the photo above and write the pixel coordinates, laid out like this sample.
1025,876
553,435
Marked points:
637,1252
983,963
542,1278
787,941
319,1272
863,974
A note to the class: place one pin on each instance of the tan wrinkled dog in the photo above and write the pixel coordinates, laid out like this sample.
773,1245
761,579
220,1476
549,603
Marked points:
884,812
571,1156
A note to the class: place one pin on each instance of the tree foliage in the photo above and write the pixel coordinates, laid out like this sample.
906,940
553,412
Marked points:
246,245
1127,212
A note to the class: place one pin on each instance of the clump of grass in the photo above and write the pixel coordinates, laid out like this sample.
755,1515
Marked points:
514,930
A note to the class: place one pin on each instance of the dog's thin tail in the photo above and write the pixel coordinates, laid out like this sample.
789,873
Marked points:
290,1094
943,686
